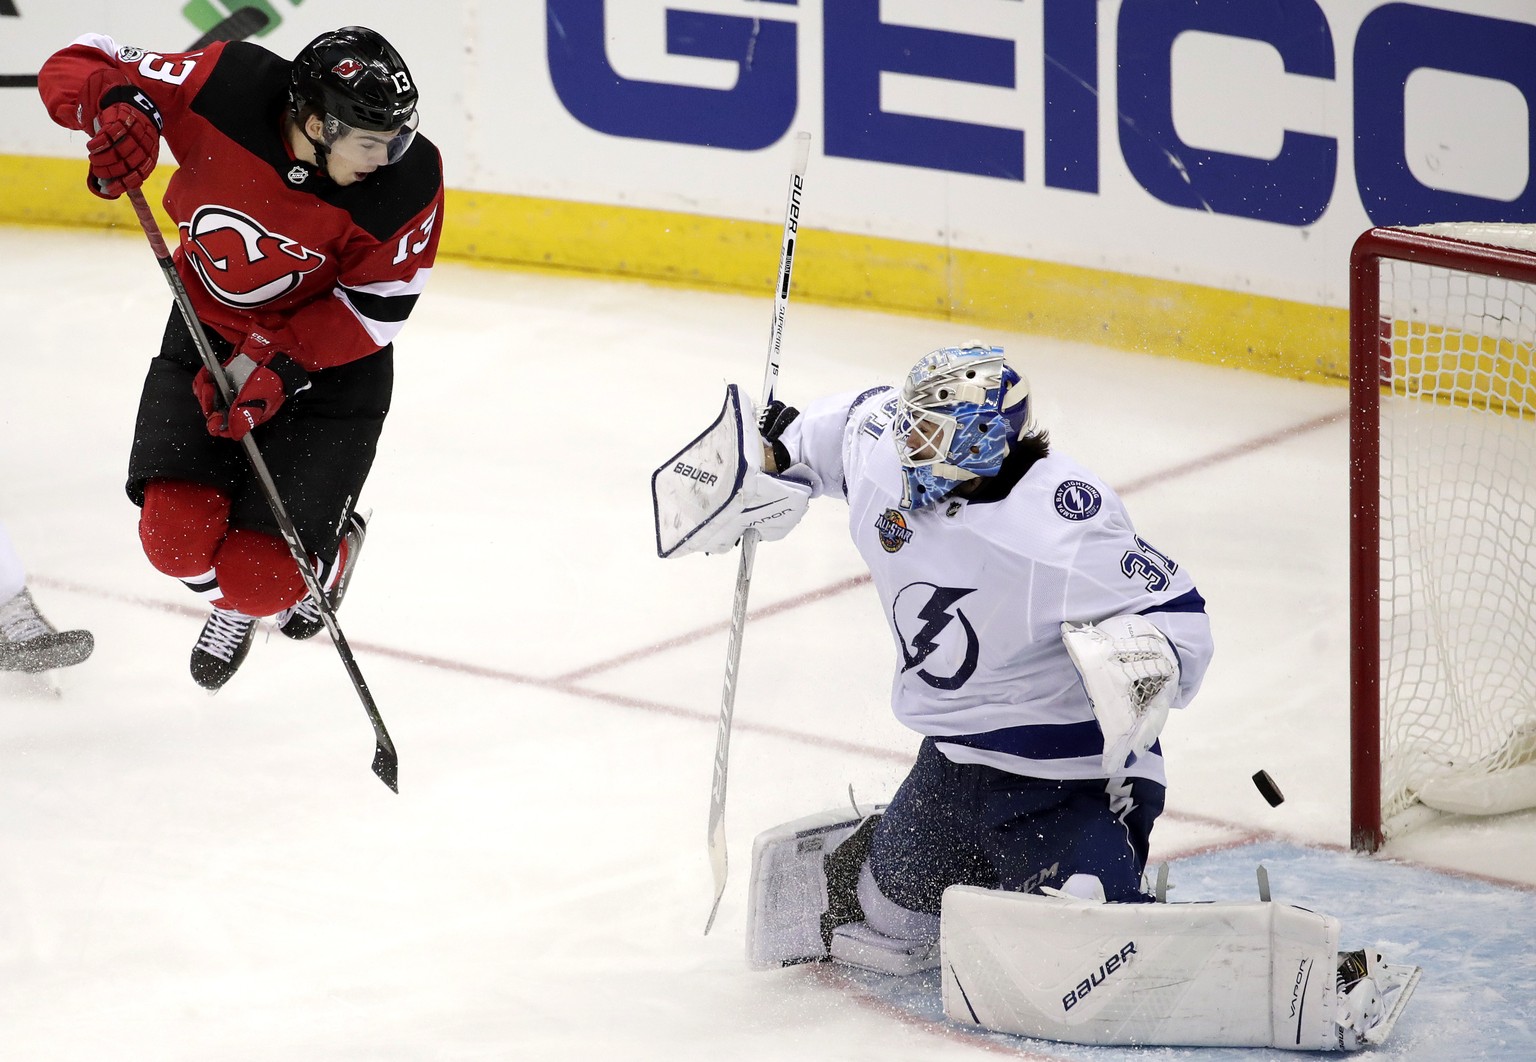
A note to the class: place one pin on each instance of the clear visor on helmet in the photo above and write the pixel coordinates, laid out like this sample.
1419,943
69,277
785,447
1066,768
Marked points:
369,148
923,436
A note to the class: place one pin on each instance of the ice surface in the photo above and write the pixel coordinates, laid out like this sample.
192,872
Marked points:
185,876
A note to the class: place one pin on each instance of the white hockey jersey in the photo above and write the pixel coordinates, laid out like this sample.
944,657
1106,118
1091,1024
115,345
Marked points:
975,593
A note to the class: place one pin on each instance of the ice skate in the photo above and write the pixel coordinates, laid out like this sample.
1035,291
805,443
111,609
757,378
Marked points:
29,643
1372,995
303,620
221,647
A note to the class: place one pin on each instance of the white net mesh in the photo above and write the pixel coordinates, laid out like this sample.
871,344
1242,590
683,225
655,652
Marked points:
1458,523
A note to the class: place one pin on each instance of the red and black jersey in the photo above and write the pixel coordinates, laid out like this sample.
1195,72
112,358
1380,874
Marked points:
267,241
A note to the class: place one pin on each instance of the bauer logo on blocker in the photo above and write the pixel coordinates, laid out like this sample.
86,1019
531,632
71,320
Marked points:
1076,500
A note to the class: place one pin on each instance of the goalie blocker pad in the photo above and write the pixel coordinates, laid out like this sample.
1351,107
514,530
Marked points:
699,482
1194,974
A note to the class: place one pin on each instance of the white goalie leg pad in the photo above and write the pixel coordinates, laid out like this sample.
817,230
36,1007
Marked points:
859,945
1217,974
788,891
891,939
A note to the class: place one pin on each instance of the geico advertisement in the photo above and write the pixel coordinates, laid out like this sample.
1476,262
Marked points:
1235,143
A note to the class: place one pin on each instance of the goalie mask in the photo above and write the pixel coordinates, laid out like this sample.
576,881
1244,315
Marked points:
959,410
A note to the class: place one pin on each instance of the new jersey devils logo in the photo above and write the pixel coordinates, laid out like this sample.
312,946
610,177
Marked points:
240,262
347,69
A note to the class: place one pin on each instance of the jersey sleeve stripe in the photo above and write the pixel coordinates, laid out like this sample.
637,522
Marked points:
100,41
382,333
1039,741
1189,601
383,306
389,308
414,286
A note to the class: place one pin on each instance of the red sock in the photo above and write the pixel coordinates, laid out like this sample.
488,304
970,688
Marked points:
182,525
257,574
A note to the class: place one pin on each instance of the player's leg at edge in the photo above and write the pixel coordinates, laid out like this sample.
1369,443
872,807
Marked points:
1095,969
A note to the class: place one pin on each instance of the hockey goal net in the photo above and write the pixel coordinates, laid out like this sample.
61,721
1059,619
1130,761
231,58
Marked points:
1442,524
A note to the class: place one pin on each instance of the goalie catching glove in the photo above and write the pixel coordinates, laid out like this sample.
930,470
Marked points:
1131,674
711,492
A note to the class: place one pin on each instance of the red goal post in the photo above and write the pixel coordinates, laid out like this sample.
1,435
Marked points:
1442,524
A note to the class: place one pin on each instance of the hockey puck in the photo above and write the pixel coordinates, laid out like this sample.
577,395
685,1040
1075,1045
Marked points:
1268,789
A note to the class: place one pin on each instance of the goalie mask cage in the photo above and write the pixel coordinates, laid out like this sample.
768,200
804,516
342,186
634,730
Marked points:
1442,524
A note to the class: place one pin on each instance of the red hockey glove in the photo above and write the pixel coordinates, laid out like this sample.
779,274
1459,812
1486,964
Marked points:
126,127
262,378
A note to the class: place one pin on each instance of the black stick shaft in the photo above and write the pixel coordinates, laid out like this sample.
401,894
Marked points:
385,761
236,26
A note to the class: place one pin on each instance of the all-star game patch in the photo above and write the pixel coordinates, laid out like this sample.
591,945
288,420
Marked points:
892,528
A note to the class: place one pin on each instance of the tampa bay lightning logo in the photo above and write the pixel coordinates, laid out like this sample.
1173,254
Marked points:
933,630
1076,500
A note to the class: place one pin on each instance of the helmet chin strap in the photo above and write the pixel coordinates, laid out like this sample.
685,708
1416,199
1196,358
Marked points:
321,149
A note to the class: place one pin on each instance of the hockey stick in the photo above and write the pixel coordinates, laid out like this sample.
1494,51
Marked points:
717,855
386,763
236,26
239,24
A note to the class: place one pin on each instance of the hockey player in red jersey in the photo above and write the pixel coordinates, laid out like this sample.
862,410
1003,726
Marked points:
308,213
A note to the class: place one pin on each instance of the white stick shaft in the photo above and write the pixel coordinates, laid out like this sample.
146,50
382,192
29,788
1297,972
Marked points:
717,849
786,264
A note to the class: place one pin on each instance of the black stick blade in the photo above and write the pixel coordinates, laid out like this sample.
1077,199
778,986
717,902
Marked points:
240,24
387,766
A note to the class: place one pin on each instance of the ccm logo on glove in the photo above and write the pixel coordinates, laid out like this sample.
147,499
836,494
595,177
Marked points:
261,378
126,124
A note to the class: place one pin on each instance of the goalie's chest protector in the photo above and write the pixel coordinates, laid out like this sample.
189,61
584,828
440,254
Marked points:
976,594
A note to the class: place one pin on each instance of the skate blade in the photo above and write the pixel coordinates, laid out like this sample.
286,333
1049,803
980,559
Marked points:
1398,979
31,685
48,652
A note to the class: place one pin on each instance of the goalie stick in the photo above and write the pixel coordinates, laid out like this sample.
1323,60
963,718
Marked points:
239,24
717,853
386,763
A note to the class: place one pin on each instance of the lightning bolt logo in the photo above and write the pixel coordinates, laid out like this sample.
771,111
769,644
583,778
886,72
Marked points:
931,619
1121,800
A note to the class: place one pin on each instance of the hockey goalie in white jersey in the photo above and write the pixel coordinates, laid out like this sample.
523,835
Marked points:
1041,642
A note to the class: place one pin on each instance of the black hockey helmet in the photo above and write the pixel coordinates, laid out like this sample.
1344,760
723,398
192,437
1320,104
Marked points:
353,74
